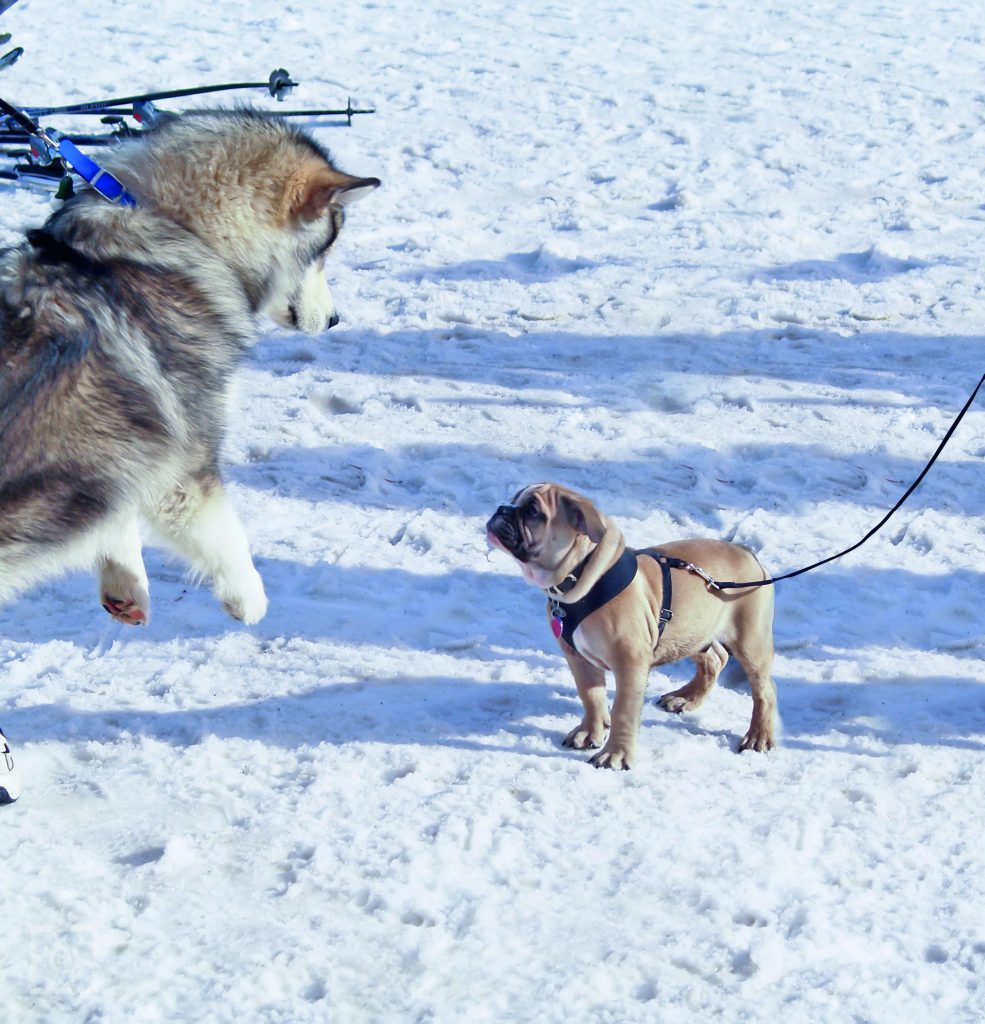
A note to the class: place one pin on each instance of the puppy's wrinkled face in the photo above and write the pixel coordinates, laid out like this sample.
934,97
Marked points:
543,528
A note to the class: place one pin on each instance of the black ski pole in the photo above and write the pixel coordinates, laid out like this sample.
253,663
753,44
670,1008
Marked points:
278,85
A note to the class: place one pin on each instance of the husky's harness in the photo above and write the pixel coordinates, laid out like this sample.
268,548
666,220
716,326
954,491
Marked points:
568,617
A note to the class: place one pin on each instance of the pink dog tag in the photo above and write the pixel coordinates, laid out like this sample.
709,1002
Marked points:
557,627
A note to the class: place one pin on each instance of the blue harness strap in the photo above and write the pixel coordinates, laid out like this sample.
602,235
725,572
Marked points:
108,186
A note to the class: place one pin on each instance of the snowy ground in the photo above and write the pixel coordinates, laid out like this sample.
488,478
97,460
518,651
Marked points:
717,265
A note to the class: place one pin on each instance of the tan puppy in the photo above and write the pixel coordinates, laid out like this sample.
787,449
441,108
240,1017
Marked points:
614,598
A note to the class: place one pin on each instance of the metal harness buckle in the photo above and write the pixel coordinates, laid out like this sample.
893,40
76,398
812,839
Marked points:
556,589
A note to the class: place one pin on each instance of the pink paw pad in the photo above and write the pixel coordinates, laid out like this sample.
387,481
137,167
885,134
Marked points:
124,611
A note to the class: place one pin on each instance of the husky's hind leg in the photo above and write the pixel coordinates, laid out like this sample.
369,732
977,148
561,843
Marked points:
198,521
123,587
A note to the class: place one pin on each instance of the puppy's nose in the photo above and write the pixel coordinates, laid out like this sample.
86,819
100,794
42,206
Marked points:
333,320
502,524
501,519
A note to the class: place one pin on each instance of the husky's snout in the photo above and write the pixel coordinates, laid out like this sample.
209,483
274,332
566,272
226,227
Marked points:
309,308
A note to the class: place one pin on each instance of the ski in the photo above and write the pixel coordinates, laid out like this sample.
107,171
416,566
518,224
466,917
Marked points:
11,57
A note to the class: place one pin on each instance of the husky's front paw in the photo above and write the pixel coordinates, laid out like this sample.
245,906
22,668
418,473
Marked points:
124,595
246,601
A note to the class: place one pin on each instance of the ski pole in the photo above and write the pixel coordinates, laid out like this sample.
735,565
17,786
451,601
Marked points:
278,85
348,112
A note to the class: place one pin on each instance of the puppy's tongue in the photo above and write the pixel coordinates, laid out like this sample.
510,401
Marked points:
496,542
530,573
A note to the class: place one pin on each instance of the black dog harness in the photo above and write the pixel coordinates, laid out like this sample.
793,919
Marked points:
566,618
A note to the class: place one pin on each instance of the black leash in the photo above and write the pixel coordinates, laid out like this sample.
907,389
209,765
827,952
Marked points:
875,529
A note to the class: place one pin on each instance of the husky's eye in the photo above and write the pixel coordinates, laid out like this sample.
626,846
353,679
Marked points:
336,219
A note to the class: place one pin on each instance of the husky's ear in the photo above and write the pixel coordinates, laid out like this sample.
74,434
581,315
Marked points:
310,194
583,516
358,188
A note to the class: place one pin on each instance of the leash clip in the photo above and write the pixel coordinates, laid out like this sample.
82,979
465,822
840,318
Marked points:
698,571
44,149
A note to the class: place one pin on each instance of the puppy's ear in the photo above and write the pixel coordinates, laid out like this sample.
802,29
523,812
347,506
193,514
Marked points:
310,192
583,516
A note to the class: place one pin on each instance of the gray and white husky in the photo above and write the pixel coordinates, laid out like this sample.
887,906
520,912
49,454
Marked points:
120,330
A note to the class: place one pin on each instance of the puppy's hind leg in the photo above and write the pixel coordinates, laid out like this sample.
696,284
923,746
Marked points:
752,647
123,587
198,521
756,658
709,663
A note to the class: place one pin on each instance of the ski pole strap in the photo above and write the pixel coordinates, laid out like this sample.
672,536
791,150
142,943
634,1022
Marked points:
882,522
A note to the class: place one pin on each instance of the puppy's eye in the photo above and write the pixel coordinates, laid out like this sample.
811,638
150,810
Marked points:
532,513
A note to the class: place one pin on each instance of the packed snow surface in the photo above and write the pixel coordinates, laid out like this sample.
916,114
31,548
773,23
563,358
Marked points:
716,265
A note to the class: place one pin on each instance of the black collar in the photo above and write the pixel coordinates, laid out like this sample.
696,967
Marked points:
569,581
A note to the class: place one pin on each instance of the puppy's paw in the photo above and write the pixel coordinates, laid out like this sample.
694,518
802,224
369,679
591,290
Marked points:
614,756
687,698
124,595
247,601
675,704
758,739
586,736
